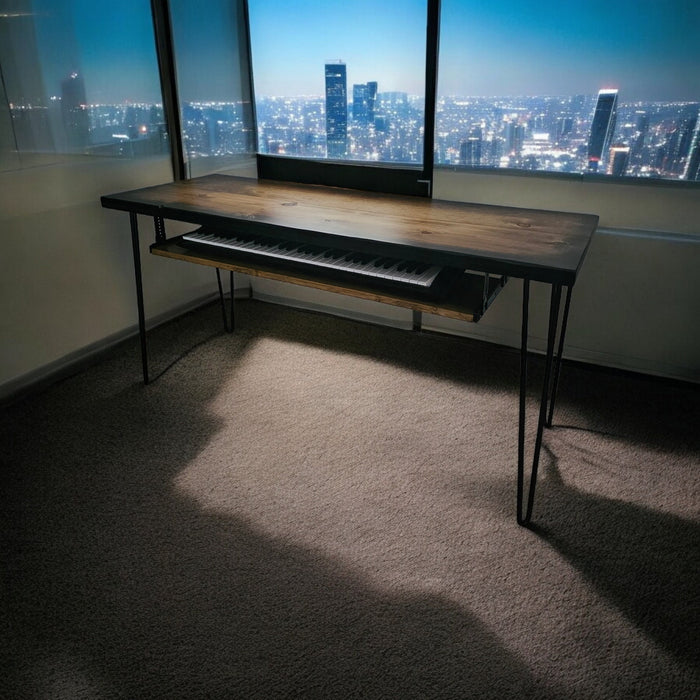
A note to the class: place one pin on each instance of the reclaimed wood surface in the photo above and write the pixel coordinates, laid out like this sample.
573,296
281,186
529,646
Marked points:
543,245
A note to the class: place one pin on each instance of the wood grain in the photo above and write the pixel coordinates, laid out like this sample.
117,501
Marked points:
539,244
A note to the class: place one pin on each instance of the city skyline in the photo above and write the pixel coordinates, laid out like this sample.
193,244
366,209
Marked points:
357,110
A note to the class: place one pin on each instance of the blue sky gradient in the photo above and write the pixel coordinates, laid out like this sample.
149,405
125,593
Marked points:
646,48
291,41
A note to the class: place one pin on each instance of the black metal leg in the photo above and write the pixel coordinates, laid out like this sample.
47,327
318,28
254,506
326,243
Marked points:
524,518
227,327
523,389
139,292
560,350
221,298
230,284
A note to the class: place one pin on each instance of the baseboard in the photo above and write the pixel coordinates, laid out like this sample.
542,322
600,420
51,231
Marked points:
537,345
42,377
52,372
502,337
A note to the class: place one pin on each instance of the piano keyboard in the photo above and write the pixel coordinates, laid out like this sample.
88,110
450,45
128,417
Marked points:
388,269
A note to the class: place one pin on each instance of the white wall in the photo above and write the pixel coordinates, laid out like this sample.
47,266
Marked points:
66,270
636,304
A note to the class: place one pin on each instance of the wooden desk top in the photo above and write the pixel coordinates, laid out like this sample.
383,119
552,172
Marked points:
548,246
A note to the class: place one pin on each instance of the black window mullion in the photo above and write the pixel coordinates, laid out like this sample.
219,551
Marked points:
432,46
251,81
168,80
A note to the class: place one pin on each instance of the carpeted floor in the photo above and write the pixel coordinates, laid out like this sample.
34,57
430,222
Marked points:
318,508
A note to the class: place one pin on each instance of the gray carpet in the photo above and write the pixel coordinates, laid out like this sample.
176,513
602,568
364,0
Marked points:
317,508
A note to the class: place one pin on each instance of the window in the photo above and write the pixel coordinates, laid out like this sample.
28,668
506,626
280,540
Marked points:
597,88
213,82
340,80
69,86
344,92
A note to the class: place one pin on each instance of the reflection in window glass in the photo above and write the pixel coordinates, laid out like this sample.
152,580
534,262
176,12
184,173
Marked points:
606,88
211,54
79,77
340,80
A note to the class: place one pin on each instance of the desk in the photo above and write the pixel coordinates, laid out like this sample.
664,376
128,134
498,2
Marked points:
492,243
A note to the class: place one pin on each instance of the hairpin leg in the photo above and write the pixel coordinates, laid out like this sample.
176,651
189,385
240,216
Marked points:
555,300
228,327
139,292
560,350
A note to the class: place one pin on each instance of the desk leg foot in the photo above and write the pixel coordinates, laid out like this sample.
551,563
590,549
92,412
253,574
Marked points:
524,516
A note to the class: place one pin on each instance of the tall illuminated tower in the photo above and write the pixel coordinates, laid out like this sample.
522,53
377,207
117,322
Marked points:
692,166
74,110
360,104
336,110
364,102
371,100
602,128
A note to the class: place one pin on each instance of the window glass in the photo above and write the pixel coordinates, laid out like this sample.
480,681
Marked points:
211,55
78,77
607,88
340,80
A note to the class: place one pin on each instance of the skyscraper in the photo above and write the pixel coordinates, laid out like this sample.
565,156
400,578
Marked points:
602,128
336,110
641,133
618,160
680,141
76,120
470,148
364,102
692,166
470,151
371,100
515,135
360,103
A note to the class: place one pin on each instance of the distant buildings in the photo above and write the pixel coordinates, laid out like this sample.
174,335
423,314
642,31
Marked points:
336,110
617,160
563,134
364,103
692,170
602,128
74,110
470,149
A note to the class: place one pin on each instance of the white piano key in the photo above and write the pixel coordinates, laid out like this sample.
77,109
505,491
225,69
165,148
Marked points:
282,251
